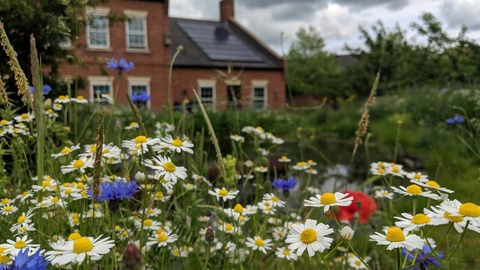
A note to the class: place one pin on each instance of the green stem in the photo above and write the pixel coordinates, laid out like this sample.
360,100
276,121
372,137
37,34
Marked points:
358,256
169,100
455,248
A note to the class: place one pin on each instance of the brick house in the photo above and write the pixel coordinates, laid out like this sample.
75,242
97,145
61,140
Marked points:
150,38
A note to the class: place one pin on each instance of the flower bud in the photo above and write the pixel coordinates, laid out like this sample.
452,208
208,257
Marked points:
140,176
132,258
209,235
347,233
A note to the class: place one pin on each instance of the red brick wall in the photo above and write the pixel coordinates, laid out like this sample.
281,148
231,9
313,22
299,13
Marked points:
154,64
186,79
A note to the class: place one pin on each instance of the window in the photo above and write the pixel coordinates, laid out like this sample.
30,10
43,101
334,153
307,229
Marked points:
259,94
139,88
98,35
101,89
207,93
136,29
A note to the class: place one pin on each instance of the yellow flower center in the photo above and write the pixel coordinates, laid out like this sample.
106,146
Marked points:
238,208
20,244
20,219
223,192
93,148
469,210
420,219
25,193
160,230
45,184
417,176
358,263
176,252
147,222
286,252
106,151
395,234
80,185
452,218
24,116
78,164
159,195
177,143
380,170
261,168
328,198
162,238
80,97
124,233
284,158
5,200
301,164
241,218
68,191
74,236
169,166
141,139
432,183
82,245
414,189
3,122
308,236
50,111
228,227
259,242
395,170
8,208
55,199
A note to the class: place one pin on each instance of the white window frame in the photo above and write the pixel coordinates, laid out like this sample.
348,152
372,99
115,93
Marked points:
136,14
102,12
100,80
208,84
260,84
139,81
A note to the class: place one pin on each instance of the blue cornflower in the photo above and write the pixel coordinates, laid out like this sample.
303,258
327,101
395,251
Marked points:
455,120
46,89
285,185
143,97
120,66
425,258
22,261
117,190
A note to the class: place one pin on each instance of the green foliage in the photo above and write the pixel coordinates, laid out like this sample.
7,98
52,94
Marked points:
311,70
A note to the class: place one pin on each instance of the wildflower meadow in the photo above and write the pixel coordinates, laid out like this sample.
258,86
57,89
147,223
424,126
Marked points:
137,195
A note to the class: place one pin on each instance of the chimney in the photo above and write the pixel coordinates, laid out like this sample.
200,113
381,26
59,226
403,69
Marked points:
227,10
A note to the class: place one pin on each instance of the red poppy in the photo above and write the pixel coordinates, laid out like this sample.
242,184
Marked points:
368,206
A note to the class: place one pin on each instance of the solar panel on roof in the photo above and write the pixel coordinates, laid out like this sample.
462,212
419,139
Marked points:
218,43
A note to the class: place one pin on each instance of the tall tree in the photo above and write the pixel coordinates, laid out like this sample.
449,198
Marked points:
52,22
311,69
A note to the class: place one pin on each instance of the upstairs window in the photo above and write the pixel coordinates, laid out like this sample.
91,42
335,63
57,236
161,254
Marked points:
98,35
207,93
101,89
136,30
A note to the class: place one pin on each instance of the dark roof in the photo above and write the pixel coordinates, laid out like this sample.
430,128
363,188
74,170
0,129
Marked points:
217,44
345,60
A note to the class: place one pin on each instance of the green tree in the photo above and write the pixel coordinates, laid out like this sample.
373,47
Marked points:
311,70
52,22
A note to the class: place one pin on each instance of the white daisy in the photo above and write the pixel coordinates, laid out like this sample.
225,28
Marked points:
132,126
162,239
168,169
417,176
57,106
62,99
276,202
257,243
261,169
66,151
415,190
78,164
383,194
223,193
8,209
285,253
23,220
328,199
229,247
237,138
148,224
284,159
24,117
410,223
50,113
432,185
395,169
13,247
140,143
76,251
79,99
309,236
395,238
469,211
459,222
177,145
300,166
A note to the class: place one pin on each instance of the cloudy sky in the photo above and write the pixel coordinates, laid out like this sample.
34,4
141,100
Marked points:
337,20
